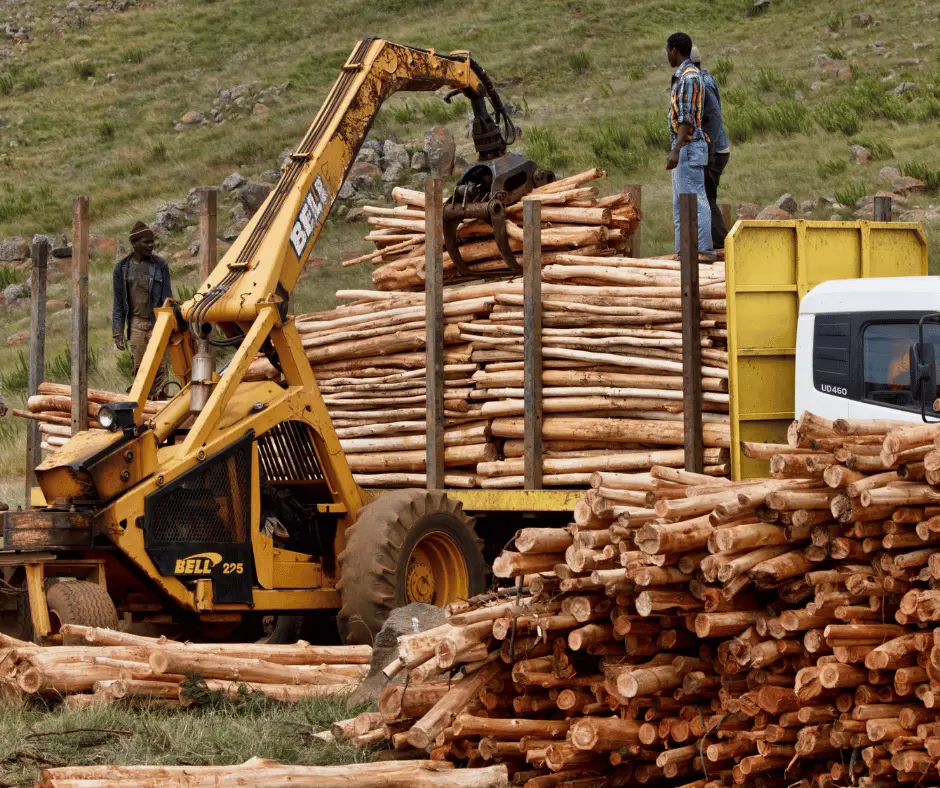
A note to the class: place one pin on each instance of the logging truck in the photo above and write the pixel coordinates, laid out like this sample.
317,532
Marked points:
178,515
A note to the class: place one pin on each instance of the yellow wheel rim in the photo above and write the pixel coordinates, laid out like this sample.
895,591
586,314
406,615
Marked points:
437,572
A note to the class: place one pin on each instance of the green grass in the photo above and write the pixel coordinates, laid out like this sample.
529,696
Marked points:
851,193
579,62
544,146
879,148
929,175
835,52
832,167
219,733
722,70
835,21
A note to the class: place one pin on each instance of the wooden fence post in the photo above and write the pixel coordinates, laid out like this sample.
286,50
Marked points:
883,209
532,341
37,355
434,329
207,232
635,190
79,314
691,334
725,209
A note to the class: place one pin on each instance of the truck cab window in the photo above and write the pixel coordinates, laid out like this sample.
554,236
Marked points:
886,363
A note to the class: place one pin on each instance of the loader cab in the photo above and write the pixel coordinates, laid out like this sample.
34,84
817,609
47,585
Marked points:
854,348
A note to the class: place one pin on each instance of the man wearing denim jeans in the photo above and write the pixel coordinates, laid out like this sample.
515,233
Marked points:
719,150
689,154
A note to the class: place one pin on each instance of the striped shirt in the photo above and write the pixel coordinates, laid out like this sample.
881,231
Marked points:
685,103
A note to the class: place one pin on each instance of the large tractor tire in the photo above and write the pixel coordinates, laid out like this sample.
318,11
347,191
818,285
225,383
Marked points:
80,602
406,546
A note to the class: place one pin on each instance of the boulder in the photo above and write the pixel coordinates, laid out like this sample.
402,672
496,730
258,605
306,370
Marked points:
773,213
37,239
55,305
862,20
356,215
888,174
393,172
270,176
193,118
362,173
844,72
233,181
905,186
759,7
252,194
18,338
407,620
259,110
13,248
100,244
231,232
859,154
907,87
170,217
15,292
441,150
747,210
419,160
395,153
913,61
346,192
367,154
786,203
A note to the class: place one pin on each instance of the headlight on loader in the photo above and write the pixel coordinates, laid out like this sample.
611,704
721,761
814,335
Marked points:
117,415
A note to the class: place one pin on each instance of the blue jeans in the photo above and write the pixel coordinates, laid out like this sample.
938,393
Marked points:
689,178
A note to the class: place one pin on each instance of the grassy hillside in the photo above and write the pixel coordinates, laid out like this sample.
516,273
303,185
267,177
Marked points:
89,103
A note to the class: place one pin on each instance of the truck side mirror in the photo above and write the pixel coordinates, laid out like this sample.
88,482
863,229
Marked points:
923,365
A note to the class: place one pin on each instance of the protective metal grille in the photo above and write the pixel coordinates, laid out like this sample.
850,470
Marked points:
286,454
211,503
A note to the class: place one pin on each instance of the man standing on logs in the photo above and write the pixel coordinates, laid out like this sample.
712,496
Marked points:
689,154
141,283
719,151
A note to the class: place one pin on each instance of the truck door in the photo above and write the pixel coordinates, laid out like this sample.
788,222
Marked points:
883,368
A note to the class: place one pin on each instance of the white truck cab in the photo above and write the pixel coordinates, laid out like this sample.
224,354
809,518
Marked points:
852,344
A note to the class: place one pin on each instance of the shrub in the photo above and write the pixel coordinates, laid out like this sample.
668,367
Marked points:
440,113
59,368
8,276
612,144
544,147
769,80
83,68
835,52
31,81
832,167
929,109
7,84
106,130
835,21
878,148
158,152
654,131
184,292
579,62
722,70
404,113
16,379
785,117
636,73
838,116
919,170
851,193
871,100
125,365
133,55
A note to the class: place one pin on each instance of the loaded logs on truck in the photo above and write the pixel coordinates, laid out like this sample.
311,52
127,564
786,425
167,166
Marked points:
612,350
691,631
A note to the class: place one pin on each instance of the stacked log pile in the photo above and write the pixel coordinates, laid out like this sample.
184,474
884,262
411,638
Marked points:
611,347
52,408
119,666
692,631
574,218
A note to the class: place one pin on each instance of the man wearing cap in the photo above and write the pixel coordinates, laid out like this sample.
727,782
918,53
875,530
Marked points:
719,151
141,283
689,151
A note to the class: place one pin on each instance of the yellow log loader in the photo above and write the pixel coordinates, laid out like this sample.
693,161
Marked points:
234,505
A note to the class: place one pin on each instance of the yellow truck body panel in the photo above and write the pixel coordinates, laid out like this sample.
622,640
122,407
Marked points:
770,267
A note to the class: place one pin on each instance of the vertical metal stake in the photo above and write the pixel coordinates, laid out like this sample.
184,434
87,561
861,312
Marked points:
434,332
37,355
532,341
635,190
883,209
725,209
79,314
207,232
691,334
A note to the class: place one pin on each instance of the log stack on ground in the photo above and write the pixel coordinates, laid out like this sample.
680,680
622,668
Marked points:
119,666
612,350
52,408
692,631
